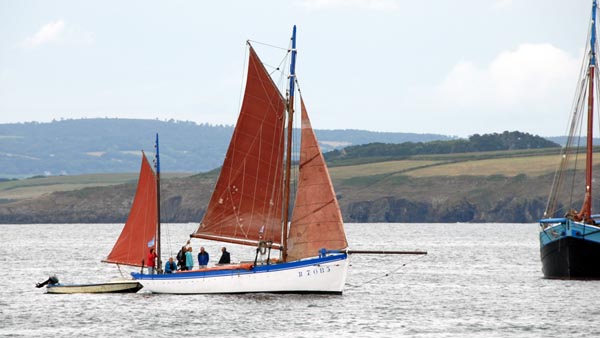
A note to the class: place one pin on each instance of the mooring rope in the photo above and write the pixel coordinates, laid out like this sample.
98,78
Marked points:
385,275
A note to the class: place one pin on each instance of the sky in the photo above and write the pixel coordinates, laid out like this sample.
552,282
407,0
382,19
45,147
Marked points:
455,67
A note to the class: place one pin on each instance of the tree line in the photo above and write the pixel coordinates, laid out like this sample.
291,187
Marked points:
513,140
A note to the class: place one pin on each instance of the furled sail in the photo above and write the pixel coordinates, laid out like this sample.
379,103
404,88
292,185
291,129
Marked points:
246,204
140,229
316,221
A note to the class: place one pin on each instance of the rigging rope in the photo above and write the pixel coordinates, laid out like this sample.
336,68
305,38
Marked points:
169,239
278,68
120,272
243,82
574,128
387,274
281,83
269,45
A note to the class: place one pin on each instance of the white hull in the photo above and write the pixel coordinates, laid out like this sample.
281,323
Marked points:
316,275
109,287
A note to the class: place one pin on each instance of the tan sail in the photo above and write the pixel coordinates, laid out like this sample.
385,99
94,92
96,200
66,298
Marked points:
316,221
246,205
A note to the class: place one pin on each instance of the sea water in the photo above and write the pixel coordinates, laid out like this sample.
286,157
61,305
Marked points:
478,280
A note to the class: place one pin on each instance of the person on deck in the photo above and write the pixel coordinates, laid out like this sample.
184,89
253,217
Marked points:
189,259
202,258
151,258
225,257
181,258
170,266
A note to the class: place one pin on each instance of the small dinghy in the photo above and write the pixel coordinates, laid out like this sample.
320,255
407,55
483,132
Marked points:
116,286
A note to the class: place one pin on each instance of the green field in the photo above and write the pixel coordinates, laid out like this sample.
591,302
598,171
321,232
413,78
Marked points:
507,186
379,168
530,166
506,163
532,163
34,187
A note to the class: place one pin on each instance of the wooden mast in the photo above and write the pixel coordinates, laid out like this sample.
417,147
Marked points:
158,241
586,210
288,155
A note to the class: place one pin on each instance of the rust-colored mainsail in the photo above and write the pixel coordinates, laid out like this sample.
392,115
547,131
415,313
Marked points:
246,205
140,229
316,221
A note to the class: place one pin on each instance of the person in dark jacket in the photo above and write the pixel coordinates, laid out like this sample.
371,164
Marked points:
202,258
225,257
181,258
170,266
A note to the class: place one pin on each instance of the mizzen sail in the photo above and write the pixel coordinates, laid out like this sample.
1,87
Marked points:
317,221
139,230
246,205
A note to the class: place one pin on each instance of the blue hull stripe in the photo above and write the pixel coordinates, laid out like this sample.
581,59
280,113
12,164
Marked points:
561,228
256,269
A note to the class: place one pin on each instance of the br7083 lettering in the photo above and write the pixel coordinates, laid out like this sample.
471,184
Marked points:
314,271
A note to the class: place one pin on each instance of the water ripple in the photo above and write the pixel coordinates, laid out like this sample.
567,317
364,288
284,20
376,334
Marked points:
479,280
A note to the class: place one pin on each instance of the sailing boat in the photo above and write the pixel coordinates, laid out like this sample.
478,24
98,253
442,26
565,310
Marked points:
250,203
134,242
570,238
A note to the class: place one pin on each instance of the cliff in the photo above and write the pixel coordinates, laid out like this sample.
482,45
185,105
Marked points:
370,198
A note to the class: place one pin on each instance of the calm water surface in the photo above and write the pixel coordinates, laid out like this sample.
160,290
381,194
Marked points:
479,280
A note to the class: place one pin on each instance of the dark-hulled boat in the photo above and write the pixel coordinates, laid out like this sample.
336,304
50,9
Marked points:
570,236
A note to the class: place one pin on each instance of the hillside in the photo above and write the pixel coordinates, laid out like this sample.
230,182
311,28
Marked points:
500,186
89,146
13,190
491,143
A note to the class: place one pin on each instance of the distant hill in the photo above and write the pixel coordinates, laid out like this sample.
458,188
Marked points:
562,140
477,143
107,146
84,146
